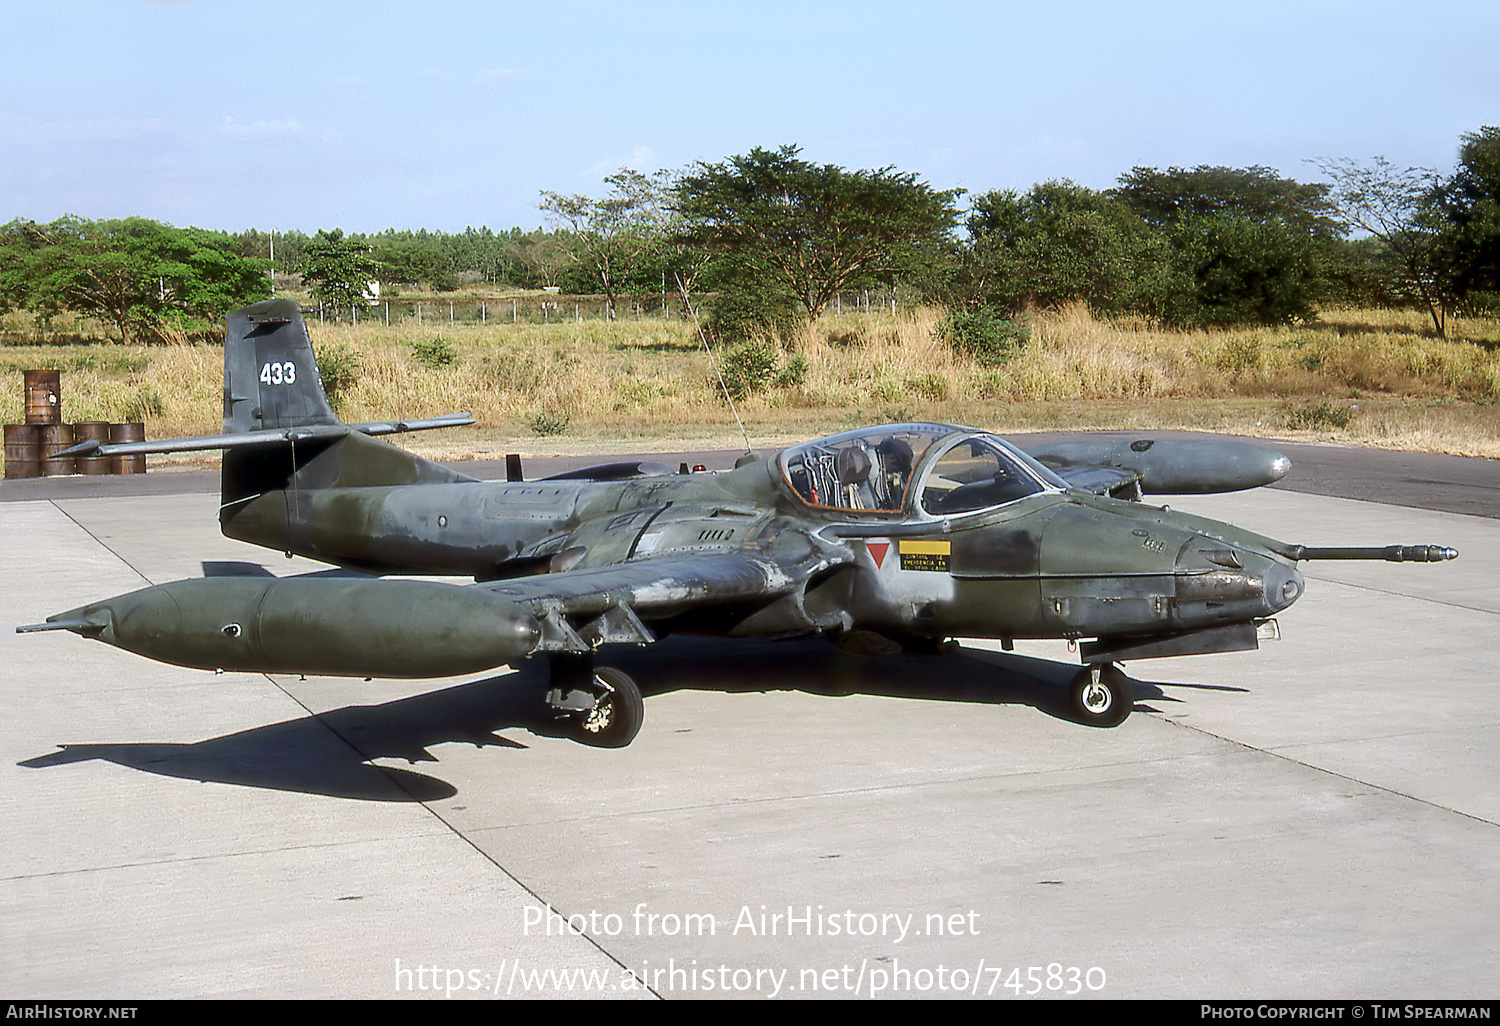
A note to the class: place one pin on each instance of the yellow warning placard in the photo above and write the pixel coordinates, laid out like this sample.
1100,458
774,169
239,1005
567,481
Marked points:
925,555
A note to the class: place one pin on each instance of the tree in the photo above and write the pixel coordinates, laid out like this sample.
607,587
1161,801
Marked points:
1246,245
483,252
413,261
1469,205
340,270
131,272
285,245
19,242
543,255
1232,270
1255,194
1395,205
613,234
213,278
1061,243
804,230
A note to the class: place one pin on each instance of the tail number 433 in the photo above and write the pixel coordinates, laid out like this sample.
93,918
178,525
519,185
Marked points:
278,373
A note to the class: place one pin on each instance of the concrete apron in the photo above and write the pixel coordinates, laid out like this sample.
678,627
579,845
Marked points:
1317,819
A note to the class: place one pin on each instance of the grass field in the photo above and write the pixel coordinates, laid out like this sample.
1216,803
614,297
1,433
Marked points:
1372,377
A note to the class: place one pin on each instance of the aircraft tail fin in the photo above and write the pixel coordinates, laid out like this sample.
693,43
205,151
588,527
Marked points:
271,377
273,393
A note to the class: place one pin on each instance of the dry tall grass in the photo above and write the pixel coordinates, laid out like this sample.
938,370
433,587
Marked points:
650,382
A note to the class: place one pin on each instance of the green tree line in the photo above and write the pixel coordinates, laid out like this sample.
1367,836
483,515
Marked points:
440,261
775,237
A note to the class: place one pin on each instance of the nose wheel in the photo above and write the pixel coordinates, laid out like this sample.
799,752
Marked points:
1101,696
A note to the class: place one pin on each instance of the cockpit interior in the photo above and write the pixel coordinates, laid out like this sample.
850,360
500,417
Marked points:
886,469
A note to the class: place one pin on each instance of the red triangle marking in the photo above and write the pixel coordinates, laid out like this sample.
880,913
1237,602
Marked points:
878,551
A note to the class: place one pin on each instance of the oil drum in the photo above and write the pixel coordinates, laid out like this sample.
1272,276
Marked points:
21,451
132,432
54,438
43,396
92,431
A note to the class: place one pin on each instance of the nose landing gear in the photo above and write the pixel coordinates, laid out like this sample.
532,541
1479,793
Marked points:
1101,695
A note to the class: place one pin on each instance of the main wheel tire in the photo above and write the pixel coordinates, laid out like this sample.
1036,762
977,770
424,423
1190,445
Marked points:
1101,696
616,718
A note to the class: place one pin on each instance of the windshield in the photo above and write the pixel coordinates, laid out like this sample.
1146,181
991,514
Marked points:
978,473
869,469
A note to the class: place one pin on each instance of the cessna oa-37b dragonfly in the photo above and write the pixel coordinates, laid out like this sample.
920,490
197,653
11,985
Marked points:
886,538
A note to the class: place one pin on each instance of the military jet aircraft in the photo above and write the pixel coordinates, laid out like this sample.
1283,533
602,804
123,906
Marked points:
882,539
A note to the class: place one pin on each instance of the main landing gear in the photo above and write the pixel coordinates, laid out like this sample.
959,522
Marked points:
1101,695
599,706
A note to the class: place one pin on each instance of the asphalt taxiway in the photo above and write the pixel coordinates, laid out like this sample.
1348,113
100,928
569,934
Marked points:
1317,819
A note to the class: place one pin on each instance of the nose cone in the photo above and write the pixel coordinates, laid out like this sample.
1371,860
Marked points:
109,619
1283,586
1218,584
85,621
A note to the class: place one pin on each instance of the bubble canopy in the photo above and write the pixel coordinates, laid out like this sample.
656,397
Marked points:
881,469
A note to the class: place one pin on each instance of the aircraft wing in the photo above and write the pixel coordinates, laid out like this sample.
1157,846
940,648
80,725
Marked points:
580,609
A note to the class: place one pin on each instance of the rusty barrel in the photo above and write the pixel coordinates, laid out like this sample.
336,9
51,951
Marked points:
54,438
43,396
92,431
21,451
132,432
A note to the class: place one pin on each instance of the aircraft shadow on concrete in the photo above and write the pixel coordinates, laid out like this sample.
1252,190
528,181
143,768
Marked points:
330,753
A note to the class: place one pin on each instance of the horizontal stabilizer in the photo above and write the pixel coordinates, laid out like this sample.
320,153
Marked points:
396,427
263,437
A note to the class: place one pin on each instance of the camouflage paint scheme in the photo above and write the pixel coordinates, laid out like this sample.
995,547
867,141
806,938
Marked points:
887,538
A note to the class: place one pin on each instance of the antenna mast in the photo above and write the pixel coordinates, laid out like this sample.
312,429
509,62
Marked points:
682,291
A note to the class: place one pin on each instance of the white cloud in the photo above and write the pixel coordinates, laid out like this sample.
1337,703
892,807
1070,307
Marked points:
642,158
261,129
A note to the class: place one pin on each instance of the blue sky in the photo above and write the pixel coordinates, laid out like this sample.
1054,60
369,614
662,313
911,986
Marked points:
368,115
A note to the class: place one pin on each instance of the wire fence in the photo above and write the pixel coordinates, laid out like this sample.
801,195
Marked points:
555,309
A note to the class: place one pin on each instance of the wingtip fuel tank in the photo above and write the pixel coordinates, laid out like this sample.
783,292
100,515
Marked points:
1174,466
351,627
